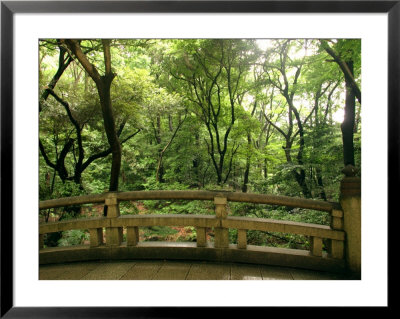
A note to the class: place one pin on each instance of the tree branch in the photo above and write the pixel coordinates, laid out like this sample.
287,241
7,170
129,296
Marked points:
75,48
46,158
345,69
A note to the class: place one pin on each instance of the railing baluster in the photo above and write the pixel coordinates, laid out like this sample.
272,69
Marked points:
316,246
113,234
336,247
242,239
221,234
96,237
201,237
132,236
41,241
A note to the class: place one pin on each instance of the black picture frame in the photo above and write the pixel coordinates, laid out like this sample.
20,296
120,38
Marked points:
9,8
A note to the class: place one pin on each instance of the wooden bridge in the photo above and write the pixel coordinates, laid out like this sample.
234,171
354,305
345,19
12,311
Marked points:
342,237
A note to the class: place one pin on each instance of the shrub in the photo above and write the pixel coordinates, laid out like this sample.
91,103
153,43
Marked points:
73,237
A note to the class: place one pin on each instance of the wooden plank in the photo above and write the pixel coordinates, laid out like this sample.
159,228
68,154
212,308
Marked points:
209,271
109,271
74,224
231,196
70,271
143,270
193,195
172,271
245,272
275,273
302,274
74,200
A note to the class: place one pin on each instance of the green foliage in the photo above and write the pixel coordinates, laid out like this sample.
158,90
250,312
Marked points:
189,234
128,208
179,207
279,213
157,233
73,237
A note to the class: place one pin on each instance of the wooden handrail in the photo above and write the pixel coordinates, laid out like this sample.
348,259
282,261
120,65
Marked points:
193,195
260,224
74,200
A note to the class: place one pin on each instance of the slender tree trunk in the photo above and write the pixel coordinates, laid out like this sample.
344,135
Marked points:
265,169
247,169
160,167
348,122
196,160
320,183
109,126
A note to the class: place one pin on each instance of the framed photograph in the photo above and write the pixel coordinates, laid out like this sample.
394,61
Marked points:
375,24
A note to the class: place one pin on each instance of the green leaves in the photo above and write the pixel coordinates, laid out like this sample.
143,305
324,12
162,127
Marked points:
271,109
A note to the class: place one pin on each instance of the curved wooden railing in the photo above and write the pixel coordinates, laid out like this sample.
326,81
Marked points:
220,222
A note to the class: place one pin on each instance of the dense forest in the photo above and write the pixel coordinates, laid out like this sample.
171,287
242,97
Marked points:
278,116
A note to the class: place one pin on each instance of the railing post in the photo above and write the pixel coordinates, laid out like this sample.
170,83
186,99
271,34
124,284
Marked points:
113,234
221,234
350,200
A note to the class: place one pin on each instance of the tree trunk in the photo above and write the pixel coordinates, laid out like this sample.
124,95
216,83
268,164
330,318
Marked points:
160,167
247,170
103,84
320,183
196,160
348,122
265,169
109,126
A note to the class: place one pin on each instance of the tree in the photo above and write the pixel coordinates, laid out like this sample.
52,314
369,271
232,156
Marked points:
214,73
103,84
278,72
210,111
347,54
83,115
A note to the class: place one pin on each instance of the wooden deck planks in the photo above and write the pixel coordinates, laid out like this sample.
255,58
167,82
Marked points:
143,270
209,271
109,271
176,270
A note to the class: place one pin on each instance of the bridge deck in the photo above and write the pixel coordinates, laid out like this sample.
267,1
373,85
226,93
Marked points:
176,270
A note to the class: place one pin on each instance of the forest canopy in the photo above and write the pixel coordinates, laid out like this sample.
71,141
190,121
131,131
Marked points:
279,116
